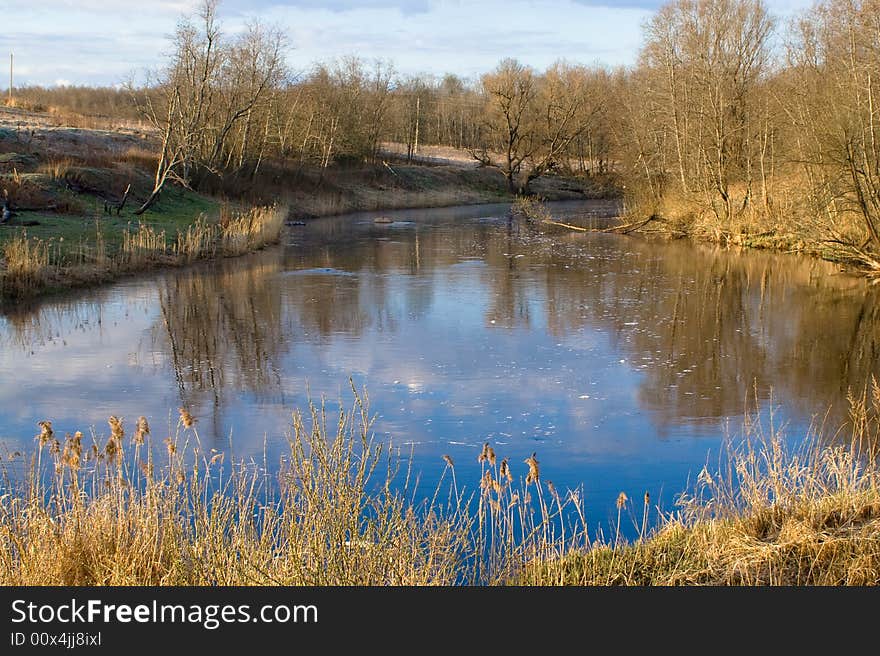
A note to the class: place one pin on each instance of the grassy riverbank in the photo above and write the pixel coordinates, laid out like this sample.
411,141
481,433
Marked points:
34,265
398,185
44,251
72,194
129,508
789,222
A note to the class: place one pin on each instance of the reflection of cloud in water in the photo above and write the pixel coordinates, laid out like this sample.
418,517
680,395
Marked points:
457,341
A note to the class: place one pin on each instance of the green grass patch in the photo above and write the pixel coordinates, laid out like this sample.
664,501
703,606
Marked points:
73,235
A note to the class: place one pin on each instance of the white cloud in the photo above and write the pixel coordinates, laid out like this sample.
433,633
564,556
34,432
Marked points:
104,7
465,38
106,41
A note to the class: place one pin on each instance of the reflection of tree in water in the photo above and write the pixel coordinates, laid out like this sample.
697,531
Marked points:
326,305
224,329
711,327
34,324
507,281
714,328
375,279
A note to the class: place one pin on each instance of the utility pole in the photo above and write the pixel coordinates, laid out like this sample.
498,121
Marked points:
418,104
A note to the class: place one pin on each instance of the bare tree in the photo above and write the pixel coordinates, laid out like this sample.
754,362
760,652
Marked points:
184,99
835,89
512,114
209,87
253,66
707,60
531,120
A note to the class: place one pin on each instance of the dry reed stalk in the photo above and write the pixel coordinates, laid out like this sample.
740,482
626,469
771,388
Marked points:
27,266
335,515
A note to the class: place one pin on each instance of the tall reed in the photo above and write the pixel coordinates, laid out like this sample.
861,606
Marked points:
27,267
770,514
128,508
120,510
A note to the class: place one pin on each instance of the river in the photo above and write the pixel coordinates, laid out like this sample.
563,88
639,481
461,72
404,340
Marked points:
623,362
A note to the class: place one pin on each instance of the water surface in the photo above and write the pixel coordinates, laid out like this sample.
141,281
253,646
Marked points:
622,362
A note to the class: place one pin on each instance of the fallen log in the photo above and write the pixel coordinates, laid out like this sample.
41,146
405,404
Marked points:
47,208
631,227
621,229
569,226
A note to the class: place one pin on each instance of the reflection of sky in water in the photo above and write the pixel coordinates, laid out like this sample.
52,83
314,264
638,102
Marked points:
618,361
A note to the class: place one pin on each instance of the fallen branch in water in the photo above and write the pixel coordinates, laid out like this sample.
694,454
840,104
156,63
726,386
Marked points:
569,226
627,228
621,229
851,251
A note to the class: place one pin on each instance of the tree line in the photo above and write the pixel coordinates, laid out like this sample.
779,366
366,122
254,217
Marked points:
753,125
730,117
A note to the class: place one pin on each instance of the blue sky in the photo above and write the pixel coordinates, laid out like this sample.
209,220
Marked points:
107,41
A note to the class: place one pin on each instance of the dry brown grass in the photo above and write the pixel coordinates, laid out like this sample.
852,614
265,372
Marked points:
140,157
772,516
139,510
143,248
114,509
242,232
117,511
26,190
234,234
56,169
788,219
26,265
